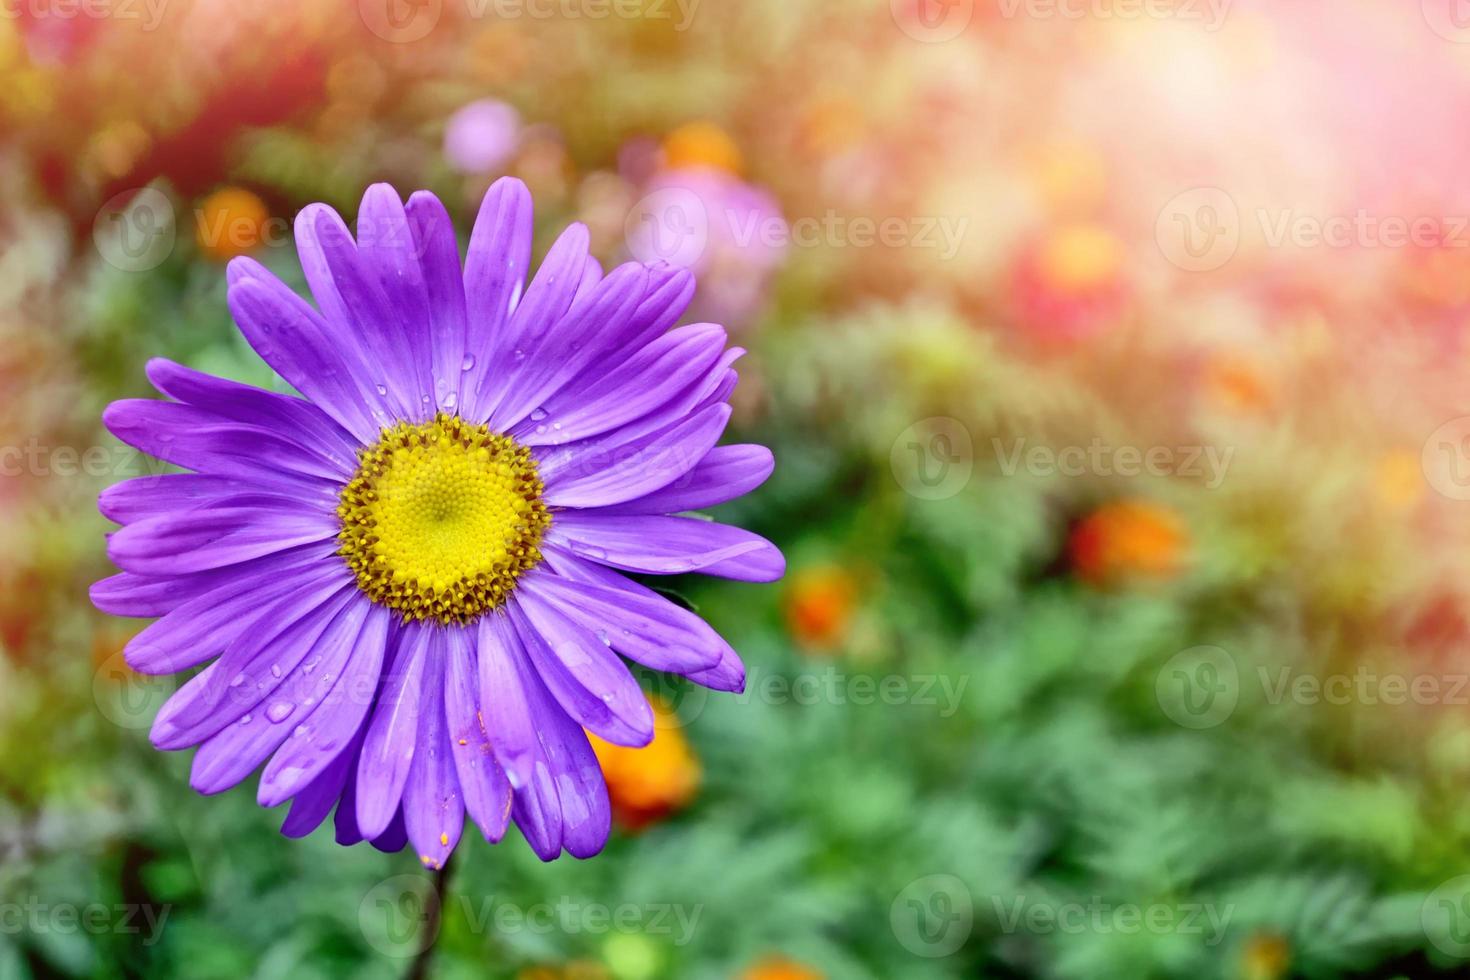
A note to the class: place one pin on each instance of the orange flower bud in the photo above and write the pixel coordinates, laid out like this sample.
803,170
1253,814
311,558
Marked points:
1237,386
1266,956
230,222
702,144
781,968
647,784
1129,539
819,606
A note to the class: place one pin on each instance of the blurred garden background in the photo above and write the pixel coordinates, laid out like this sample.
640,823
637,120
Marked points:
1114,355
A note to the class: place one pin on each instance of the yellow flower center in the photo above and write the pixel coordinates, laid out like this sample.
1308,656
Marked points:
441,518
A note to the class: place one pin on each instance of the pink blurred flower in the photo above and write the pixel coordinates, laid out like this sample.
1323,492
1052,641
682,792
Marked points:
730,234
481,136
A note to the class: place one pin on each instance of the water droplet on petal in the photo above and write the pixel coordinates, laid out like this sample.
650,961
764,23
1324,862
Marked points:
279,711
275,670
468,364
538,414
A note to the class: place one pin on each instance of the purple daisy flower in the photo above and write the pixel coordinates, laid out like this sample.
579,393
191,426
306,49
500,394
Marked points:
407,586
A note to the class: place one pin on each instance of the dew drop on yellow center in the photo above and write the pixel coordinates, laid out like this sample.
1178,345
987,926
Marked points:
441,518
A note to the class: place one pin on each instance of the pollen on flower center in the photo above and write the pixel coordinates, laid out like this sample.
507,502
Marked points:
441,518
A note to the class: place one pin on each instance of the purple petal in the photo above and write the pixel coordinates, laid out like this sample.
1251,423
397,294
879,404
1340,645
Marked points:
582,672
387,250
647,628
388,749
510,702
394,836
311,806
650,379
546,302
299,420
205,625
438,252
728,674
588,478
487,794
318,360
353,302
154,496
494,275
556,352
208,443
343,684
208,538
250,670
725,473
433,810
668,545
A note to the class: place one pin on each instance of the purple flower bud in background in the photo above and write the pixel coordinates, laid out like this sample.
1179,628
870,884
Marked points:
480,137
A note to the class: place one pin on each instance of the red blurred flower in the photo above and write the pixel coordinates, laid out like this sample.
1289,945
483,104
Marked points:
1071,284
1129,540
